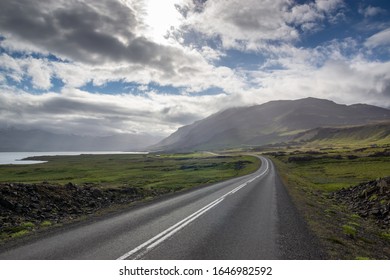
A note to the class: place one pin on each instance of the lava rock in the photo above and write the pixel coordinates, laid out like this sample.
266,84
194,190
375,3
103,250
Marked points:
369,200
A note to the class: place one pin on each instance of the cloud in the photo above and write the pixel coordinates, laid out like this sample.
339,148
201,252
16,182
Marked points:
38,70
81,43
76,111
328,5
341,80
40,73
371,11
248,25
381,38
80,112
84,31
211,54
194,77
91,45
13,69
241,23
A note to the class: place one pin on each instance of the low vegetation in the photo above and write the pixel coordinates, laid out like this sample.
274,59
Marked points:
146,171
319,180
68,188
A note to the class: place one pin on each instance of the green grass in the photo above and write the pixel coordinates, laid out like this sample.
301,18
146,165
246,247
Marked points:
362,258
355,217
352,136
329,175
28,225
174,171
17,231
385,235
46,224
349,230
310,182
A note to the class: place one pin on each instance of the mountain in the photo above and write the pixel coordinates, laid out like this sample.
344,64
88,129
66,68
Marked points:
271,122
378,133
15,140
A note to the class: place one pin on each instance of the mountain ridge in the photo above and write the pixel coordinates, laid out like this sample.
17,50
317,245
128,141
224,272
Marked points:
271,122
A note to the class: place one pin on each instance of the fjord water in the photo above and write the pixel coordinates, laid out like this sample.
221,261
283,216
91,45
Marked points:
17,157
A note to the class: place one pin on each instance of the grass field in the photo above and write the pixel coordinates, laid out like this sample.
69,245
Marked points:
311,176
176,171
336,169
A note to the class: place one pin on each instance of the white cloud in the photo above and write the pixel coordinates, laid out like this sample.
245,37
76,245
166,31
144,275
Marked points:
381,38
328,5
371,11
196,76
356,81
39,70
240,23
13,69
40,73
211,54
157,26
73,74
248,25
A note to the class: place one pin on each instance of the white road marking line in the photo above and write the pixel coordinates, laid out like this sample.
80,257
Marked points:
159,238
238,188
143,245
182,226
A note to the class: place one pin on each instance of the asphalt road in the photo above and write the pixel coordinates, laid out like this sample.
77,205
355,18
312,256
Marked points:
250,217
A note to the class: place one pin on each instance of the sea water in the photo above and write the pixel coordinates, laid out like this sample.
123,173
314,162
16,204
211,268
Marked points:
17,157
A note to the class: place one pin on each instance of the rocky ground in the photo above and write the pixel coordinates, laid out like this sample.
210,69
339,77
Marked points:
27,207
369,200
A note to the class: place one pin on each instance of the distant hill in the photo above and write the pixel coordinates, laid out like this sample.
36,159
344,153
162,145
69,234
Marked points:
271,122
15,140
378,133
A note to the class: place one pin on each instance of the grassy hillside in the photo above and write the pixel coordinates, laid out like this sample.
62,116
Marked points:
378,134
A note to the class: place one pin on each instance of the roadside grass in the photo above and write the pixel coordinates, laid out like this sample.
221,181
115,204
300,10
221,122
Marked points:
385,235
17,231
327,172
332,174
349,230
175,171
311,175
46,224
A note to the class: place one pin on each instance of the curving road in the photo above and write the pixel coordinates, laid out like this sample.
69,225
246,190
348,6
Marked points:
251,217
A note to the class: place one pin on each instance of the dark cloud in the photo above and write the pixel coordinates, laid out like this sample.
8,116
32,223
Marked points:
183,118
93,32
80,115
199,5
62,105
178,114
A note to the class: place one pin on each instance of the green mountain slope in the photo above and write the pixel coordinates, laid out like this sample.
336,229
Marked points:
378,133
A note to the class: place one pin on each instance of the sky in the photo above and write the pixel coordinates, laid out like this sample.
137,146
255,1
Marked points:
101,67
